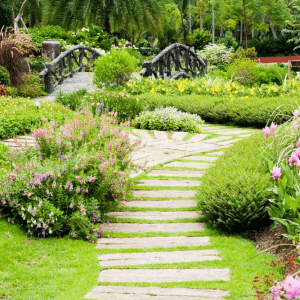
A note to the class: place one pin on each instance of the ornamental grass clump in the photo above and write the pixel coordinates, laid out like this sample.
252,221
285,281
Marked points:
168,119
76,174
233,195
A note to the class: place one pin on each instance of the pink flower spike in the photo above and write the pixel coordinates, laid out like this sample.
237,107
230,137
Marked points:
293,158
296,113
276,173
273,127
266,131
298,142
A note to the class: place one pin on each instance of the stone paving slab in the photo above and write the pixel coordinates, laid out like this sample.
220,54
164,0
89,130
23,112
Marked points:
155,215
161,135
106,292
163,275
217,139
161,182
146,258
197,138
228,143
162,227
178,136
216,153
143,134
164,193
181,164
204,158
234,132
160,204
152,242
182,173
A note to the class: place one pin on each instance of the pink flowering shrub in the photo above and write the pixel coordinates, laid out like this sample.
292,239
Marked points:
77,173
282,152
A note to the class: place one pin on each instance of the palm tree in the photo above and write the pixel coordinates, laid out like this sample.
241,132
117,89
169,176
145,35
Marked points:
113,15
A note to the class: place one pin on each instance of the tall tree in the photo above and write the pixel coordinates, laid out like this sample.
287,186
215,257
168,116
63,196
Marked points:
111,14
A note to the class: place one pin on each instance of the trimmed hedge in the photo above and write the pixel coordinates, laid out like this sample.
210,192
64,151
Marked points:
19,116
251,112
233,195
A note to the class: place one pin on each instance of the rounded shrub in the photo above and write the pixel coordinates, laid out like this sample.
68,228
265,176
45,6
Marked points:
114,68
234,193
4,76
200,38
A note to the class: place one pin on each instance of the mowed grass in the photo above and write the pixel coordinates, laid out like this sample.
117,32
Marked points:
40,269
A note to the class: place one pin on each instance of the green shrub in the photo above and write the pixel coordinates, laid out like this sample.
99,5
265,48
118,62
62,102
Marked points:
19,116
199,38
243,71
168,119
36,63
233,195
74,100
270,74
252,112
216,54
241,54
126,106
3,156
77,173
114,68
4,76
228,40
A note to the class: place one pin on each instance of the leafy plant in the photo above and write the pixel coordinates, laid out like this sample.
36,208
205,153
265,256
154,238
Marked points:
168,119
199,39
241,54
233,195
3,91
4,76
114,68
216,54
78,172
228,40
243,71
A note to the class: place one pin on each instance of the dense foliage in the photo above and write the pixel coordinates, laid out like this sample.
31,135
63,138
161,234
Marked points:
114,68
234,193
19,116
78,172
250,112
4,76
168,119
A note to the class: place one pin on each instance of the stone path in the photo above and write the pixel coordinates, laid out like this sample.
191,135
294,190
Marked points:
171,185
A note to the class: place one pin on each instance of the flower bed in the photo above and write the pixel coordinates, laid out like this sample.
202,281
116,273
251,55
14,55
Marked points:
78,172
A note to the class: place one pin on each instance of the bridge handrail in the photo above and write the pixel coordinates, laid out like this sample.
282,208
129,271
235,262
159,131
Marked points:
161,63
65,61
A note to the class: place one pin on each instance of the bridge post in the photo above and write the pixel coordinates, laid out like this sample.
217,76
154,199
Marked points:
148,66
48,79
81,52
70,64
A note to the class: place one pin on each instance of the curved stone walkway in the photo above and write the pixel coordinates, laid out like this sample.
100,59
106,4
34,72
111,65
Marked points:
176,158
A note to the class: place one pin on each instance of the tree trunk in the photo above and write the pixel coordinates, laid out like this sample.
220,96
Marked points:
190,17
245,25
201,21
241,32
182,23
221,31
106,23
253,33
273,29
213,25
282,31
19,16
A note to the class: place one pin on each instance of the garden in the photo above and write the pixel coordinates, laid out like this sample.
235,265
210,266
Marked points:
54,196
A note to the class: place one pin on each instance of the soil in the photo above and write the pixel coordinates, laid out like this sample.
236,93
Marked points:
271,241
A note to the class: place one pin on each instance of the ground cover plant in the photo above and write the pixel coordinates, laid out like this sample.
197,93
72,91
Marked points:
19,116
234,194
250,112
168,119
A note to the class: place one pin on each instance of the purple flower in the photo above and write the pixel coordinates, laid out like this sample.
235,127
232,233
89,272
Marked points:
266,131
54,184
276,173
51,214
273,127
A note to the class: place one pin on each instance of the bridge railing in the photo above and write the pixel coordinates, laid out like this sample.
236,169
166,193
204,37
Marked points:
67,64
182,57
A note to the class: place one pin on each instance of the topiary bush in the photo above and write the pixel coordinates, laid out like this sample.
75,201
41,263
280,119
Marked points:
233,195
228,40
114,68
241,54
168,119
4,76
